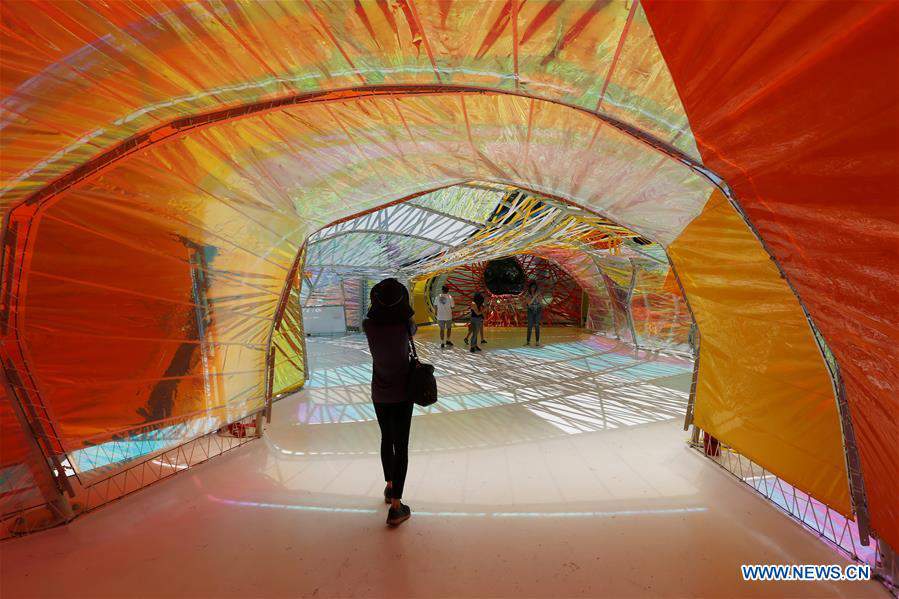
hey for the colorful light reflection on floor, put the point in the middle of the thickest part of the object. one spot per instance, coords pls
(588, 384)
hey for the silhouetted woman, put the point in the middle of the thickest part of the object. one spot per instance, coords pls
(477, 320)
(389, 327)
(533, 298)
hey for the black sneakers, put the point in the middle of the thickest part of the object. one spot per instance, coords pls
(395, 517)
(449, 343)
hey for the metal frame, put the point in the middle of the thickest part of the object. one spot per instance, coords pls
(854, 474)
(50, 481)
(835, 529)
(149, 469)
(178, 127)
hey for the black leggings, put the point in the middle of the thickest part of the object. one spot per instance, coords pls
(395, 420)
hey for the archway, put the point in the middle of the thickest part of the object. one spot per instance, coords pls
(191, 197)
(253, 217)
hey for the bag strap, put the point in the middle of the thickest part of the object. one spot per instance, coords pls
(412, 344)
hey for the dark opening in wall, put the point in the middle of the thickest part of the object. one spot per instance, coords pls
(504, 277)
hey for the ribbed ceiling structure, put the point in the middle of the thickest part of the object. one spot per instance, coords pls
(164, 162)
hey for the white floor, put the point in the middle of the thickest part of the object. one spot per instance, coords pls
(544, 472)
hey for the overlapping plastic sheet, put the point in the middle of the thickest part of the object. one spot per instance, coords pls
(288, 359)
(795, 105)
(354, 292)
(759, 365)
(18, 488)
(661, 318)
(583, 268)
(324, 287)
(139, 64)
(143, 295)
(473, 203)
(623, 305)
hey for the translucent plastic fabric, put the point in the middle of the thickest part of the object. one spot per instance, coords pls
(79, 78)
(661, 318)
(287, 363)
(18, 488)
(795, 105)
(326, 287)
(582, 266)
(370, 251)
(763, 386)
(659, 315)
(354, 291)
(144, 295)
(475, 204)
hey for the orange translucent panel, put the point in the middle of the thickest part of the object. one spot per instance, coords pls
(172, 261)
(138, 64)
(796, 106)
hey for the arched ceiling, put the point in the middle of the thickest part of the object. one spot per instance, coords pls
(463, 224)
(255, 163)
(290, 172)
(79, 79)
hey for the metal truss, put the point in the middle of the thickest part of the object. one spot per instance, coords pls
(459, 225)
(149, 469)
(831, 526)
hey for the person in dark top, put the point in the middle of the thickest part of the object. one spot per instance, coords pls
(533, 299)
(389, 327)
(477, 312)
(477, 321)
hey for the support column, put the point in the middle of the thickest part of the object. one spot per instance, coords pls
(630, 296)
(49, 482)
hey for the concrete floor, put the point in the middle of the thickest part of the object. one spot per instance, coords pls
(553, 472)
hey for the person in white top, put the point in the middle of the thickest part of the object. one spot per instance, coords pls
(445, 305)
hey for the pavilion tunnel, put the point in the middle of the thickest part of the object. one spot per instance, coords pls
(191, 286)
(148, 234)
(456, 235)
(203, 371)
(503, 282)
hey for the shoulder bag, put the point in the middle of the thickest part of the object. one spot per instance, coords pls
(421, 386)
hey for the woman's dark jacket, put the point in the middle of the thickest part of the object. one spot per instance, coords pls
(389, 346)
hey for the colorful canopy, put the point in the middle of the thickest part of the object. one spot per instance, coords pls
(163, 164)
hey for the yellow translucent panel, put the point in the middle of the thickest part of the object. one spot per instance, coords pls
(763, 385)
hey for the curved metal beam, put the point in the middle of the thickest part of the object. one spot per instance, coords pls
(379, 232)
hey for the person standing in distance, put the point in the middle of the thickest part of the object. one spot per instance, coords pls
(477, 321)
(445, 306)
(533, 299)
